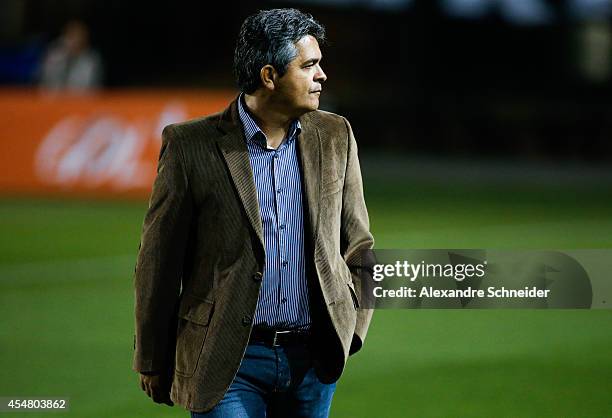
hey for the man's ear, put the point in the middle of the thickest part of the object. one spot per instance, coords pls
(268, 76)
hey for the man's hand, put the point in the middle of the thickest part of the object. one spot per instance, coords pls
(157, 387)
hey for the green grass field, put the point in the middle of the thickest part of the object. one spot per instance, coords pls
(66, 303)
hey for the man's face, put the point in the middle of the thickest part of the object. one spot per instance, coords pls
(300, 87)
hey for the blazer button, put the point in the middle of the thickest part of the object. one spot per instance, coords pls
(258, 276)
(246, 320)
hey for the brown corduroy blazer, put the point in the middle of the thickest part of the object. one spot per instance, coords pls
(201, 254)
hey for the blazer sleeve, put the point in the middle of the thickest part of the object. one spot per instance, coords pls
(356, 239)
(158, 272)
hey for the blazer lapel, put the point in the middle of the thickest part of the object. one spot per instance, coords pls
(234, 150)
(309, 152)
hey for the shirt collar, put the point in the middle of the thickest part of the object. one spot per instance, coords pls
(252, 132)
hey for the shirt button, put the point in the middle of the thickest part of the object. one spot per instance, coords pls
(257, 276)
(246, 320)
(282, 227)
(285, 263)
(283, 300)
(279, 191)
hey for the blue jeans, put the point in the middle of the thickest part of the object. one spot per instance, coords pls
(274, 382)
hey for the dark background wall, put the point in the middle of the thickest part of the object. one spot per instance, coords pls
(417, 76)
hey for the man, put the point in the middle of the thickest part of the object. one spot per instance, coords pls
(248, 275)
(70, 63)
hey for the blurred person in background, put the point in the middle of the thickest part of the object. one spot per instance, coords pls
(70, 63)
(247, 281)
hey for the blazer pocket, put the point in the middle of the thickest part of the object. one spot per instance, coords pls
(194, 317)
(351, 287)
(348, 279)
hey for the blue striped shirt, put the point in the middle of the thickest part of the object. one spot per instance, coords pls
(283, 297)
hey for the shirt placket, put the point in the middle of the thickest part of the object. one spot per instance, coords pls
(279, 173)
(271, 277)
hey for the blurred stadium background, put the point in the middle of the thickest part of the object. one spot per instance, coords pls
(481, 124)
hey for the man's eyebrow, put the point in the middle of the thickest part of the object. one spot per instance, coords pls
(312, 61)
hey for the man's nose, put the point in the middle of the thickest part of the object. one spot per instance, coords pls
(320, 76)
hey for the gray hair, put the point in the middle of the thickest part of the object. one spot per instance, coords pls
(269, 37)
